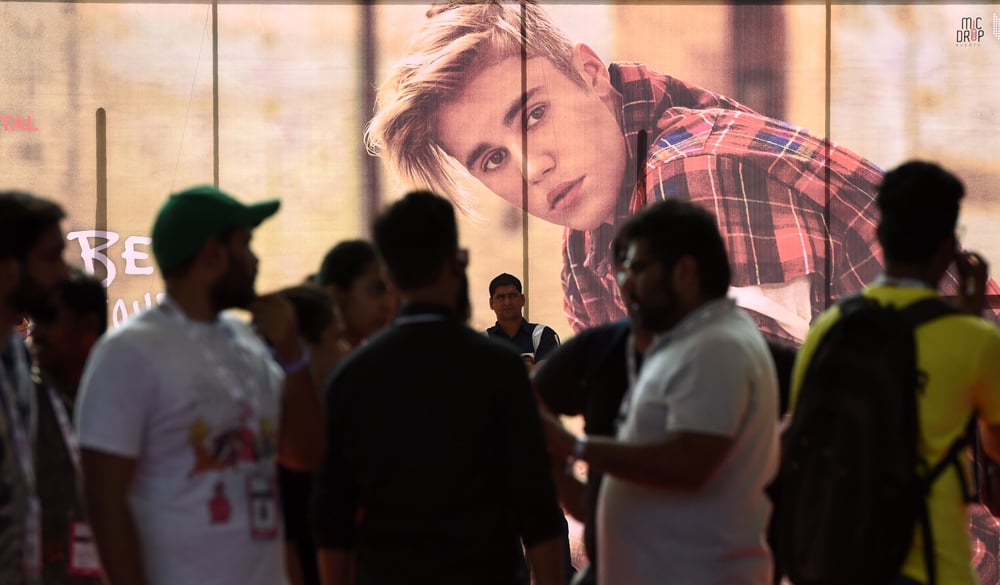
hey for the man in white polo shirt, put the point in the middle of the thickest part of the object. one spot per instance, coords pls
(683, 495)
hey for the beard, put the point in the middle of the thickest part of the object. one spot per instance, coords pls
(235, 290)
(663, 315)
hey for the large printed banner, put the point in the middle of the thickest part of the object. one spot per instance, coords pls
(780, 119)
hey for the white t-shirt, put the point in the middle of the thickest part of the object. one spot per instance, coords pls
(713, 375)
(197, 405)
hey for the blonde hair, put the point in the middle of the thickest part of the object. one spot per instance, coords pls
(458, 39)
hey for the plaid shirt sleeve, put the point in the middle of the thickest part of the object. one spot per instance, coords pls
(788, 204)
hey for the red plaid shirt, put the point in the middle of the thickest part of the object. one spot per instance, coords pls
(789, 205)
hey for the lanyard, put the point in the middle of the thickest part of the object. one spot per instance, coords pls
(62, 417)
(692, 321)
(630, 362)
(246, 402)
(21, 429)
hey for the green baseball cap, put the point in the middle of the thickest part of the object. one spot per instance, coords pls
(189, 218)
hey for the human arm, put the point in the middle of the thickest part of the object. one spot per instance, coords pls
(526, 473)
(301, 440)
(548, 567)
(569, 489)
(684, 413)
(972, 272)
(106, 482)
(334, 502)
(986, 394)
(571, 492)
(112, 410)
(778, 188)
(684, 460)
(590, 363)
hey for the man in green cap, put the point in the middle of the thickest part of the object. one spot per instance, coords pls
(178, 409)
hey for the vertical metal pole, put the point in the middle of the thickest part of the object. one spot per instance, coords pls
(215, 93)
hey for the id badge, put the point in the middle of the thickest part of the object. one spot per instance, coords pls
(33, 538)
(262, 495)
(83, 559)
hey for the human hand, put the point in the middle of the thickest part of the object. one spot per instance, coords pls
(972, 275)
(560, 441)
(274, 318)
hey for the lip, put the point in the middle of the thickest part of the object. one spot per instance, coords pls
(558, 198)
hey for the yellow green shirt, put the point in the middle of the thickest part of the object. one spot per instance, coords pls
(960, 355)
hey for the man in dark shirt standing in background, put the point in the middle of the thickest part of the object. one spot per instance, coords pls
(431, 474)
(533, 340)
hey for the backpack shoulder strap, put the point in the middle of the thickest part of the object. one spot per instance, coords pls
(926, 310)
(852, 303)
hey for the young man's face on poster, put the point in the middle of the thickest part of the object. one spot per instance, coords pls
(575, 157)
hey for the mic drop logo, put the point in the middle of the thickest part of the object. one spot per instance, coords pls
(970, 32)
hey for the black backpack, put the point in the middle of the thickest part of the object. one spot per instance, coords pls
(852, 487)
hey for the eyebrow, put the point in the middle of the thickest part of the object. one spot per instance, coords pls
(513, 110)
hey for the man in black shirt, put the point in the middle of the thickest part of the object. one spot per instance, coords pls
(62, 338)
(431, 474)
(534, 340)
(588, 376)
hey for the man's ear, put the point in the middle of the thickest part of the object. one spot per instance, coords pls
(685, 276)
(592, 69)
(212, 259)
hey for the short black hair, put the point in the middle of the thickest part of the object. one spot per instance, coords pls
(416, 236)
(345, 262)
(505, 279)
(83, 294)
(24, 217)
(919, 202)
(677, 228)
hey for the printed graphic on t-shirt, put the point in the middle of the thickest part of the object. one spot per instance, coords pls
(230, 447)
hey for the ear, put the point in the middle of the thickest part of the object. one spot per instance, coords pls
(685, 276)
(491, 302)
(213, 256)
(592, 70)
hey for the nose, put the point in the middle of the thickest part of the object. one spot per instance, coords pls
(537, 164)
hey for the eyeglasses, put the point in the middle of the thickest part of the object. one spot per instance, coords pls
(462, 257)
